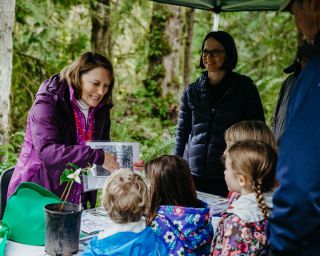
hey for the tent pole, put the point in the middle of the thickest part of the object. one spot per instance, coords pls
(216, 17)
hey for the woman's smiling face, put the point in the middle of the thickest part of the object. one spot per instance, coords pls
(213, 63)
(95, 85)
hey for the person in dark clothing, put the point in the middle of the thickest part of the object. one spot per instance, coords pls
(294, 223)
(209, 106)
(304, 53)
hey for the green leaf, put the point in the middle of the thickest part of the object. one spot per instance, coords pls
(73, 166)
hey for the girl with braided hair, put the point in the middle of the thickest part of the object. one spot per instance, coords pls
(248, 130)
(249, 170)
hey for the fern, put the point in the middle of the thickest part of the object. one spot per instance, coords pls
(159, 146)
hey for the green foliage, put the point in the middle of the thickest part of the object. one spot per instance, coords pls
(159, 46)
(158, 146)
(64, 176)
(9, 152)
(49, 34)
(74, 169)
(266, 43)
(141, 118)
(44, 42)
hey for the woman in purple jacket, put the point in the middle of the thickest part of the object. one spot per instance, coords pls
(69, 109)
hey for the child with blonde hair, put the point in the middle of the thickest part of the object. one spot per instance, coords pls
(176, 216)
(250, 171)
(248, 130)
(125, 196)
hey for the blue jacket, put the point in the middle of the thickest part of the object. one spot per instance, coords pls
(144, 243)
(294, 224)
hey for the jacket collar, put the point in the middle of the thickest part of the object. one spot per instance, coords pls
(114, 228)
(202, 85)
(247, 208)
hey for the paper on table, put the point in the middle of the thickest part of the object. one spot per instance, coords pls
(94, 220)
(217, 204)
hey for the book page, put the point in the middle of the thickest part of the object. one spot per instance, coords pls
(94, 220)
(127, 153)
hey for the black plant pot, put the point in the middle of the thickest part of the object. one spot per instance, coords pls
(62, 229)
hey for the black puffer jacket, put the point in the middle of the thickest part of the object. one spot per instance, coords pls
(204, 117)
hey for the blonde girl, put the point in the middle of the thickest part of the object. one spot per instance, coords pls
(250, 171)
(248, 130)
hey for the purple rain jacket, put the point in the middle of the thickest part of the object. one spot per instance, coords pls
(50, 141)
(184, 230)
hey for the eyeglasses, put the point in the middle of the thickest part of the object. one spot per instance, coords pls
(212, 53)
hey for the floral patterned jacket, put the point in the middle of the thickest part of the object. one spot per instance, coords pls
(184, 230)
(242, 228)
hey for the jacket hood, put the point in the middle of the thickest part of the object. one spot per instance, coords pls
(60, 90)
(53, 86)
(190, 227)
(127, 243)
(247, 208)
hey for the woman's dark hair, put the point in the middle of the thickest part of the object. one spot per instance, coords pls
(171, 183)
(226, 40)
(86, 62)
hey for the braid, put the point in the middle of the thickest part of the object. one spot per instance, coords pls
(260, 198)
(256, 161)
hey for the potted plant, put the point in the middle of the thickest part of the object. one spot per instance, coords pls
(63, 219)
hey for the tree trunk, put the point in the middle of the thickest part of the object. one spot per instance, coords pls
(171, 81)
(187, 46)
(7, 13)
(164, 45)
(100, 35)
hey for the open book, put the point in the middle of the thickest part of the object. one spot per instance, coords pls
(127, 153)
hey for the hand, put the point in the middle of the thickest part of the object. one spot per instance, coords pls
(138, 165)
(110, 162)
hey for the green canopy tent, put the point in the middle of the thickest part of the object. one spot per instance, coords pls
(228, 5)
(218, 6)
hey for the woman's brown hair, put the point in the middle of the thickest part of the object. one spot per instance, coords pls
(86, 62)
(171, 183)
(256, 161)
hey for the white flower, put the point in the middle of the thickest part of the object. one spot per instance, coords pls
(154, 225)
(75, 176)
(169, 237)
(178, 224)
(196, 218)
(181, 252)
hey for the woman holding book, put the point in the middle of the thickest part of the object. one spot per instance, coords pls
(70, 108)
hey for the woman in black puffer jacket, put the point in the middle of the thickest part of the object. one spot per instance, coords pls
(209, 106)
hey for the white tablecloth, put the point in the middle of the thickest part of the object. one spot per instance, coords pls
(17, 249)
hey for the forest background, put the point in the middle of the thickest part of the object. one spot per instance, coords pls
(155, 50)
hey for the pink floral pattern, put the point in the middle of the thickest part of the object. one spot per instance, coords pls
(178, 211)
(236, 237)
